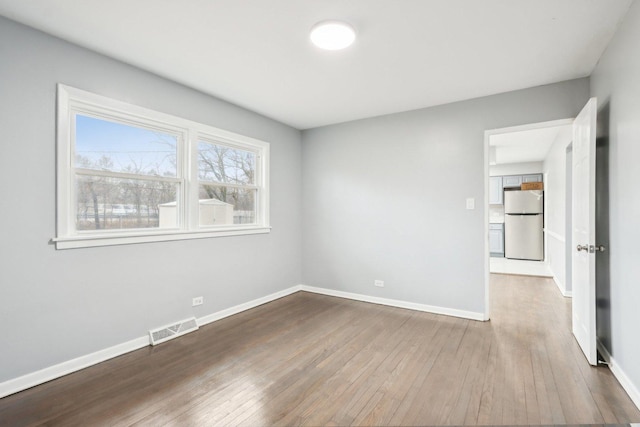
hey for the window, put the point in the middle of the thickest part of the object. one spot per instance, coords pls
(127, 174)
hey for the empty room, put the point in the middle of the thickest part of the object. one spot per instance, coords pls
(304, 212)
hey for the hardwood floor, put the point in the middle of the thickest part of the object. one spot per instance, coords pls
(309, 359)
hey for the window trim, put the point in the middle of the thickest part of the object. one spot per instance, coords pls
(72, 101)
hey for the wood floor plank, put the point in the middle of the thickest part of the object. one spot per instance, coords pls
(546, 391)
(471, 393)
(407, 411)
(310, 359)
(431, 403)
(395, 388)
(371, 361)
(423, 333)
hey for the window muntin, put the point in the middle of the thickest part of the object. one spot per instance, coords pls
(127, 174)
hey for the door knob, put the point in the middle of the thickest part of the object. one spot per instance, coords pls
(591, 248)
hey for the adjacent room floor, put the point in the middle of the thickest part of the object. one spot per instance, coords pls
(310, 359)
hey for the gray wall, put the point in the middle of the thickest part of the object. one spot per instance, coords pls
(384, 198)
(616, 83)
(58, 305)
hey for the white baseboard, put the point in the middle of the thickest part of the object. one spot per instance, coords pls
(56, 371)
(396, 303)
(563, 291)
(620, 375)
(247, 305)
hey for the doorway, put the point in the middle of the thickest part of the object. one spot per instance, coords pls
(514, 154)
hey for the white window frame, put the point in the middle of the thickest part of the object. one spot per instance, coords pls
(73, 101)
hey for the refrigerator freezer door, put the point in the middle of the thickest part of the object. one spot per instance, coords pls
(519, 202)
(523, 238)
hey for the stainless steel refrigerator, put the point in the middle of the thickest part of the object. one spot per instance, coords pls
(523, 224)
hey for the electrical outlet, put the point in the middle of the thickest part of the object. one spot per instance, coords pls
(378, 283)
(197, 301)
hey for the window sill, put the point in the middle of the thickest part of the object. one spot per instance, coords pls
(128, 239)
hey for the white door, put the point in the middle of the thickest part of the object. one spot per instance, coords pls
(583, 261)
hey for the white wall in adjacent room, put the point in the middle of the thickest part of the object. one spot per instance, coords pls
(555, 207)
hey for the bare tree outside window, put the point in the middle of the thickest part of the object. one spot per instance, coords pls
(137, 157)
(227, 174)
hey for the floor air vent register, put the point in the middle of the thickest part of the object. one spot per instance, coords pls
(166, 333)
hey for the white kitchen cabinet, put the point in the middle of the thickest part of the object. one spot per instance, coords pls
(495, 190)
(496, 240)
(512, 181)
(532, 178)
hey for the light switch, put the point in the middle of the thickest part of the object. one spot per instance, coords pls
(471, 203)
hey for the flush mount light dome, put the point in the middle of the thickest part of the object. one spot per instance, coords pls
(332, 35)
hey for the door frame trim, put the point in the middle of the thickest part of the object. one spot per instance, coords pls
(487, 135)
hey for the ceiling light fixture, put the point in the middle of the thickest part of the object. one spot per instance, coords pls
(332, 35)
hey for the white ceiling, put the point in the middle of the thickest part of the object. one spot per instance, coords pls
(409, 53)
(528, 146)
